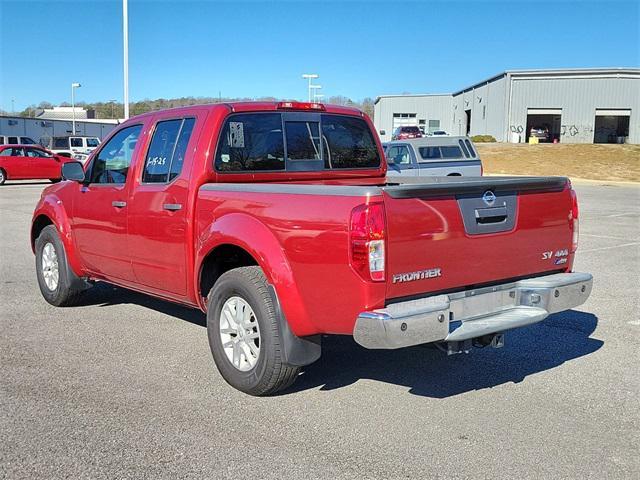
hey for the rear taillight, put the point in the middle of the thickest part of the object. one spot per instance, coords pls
(573, 220)
(367, 238)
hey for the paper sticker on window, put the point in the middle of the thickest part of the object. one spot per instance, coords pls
(225, 157)
(236, 134)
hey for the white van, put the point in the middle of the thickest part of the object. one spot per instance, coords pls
(16, 140)
(438, 156)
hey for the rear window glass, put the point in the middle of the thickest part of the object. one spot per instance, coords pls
(410, 130)
(92, 142)
(256, 142)
(348, 143)
(303, 140)
(76, 142)
(251, 142)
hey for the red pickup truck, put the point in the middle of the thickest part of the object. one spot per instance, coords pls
(277, 220)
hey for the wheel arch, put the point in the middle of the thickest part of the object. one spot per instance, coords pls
(39, 223)
(251, 241)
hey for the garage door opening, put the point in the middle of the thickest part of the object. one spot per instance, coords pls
(544, 123)
(611, 126)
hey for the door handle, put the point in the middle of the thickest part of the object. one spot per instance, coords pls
(172, 207)
(118, 204)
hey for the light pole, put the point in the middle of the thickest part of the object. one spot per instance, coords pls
(73, 106)
(309, 77)
(315, 89)
(125, 56)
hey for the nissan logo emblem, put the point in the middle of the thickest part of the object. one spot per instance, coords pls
(489, 197)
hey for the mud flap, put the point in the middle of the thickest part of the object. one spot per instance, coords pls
(296, 351)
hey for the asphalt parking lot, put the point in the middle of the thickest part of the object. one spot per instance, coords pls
(125, 386)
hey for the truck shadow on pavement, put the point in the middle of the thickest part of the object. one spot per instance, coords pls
(425, 370)
(431, 373)
(105, 295)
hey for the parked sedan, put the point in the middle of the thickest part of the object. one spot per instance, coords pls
(432, 156)
(29, 162)
(402, 133)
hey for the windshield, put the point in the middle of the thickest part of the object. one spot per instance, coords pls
(258, 141)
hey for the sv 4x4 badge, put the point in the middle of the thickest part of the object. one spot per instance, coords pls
(560, 256)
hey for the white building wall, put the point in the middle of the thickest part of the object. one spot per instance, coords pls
(426, 107)
(39, 128)
(578, 98)
(499, 105)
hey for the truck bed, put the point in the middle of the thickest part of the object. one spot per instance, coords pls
(440, 236)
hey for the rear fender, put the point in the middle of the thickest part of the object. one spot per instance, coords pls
(255, 238)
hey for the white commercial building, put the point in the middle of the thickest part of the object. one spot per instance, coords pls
(594, 105)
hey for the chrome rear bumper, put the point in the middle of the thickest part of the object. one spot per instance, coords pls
(473, 313)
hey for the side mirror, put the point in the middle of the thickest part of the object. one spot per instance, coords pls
(391, 161)
(73, 171)
(383, 132)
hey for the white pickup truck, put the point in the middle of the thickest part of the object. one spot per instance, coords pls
(433, 156)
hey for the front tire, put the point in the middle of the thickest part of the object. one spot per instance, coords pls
(58, 284)
(244, 333)
(3, 176)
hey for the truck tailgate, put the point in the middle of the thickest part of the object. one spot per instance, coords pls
(456, 233)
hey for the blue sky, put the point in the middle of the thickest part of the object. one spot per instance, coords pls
(360, 49)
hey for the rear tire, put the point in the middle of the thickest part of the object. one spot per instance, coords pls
(58, 284)
(3, 176)
(255, 338)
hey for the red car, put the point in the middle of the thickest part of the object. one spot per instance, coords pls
(403, 133)
(29, 162)
(277, 220)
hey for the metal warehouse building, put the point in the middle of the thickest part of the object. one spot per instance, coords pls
(43, 128)
(594, 105)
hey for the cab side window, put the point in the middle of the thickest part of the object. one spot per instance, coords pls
(168, 148)
(111, 165)
(399, 155)
(34, 153)
(12, 152)
(76, 142)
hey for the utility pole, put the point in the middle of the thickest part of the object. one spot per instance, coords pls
(125, 41)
